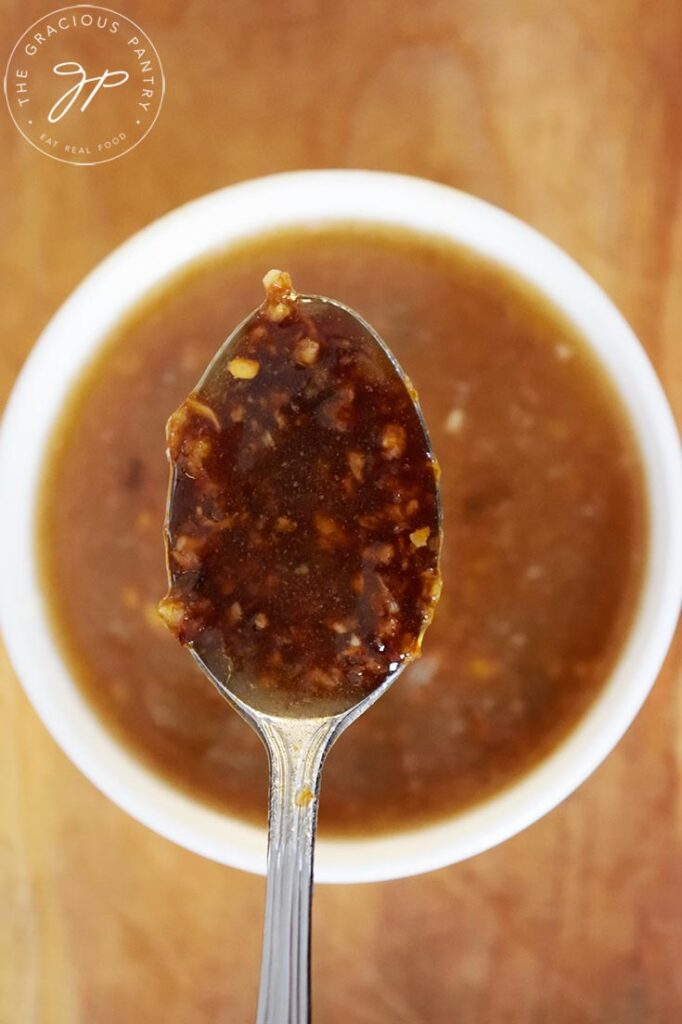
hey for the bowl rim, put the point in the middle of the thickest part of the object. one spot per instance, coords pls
(211, 223)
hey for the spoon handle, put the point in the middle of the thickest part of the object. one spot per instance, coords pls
(297, 749)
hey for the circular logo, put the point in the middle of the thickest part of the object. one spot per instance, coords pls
(84, 84)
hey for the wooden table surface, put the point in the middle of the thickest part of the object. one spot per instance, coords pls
(568, 114)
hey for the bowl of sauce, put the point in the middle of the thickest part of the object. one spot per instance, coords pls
(561, 490)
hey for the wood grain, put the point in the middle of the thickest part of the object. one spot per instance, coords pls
(569, 115)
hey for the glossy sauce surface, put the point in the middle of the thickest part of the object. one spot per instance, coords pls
(543, 514)
(303, 525)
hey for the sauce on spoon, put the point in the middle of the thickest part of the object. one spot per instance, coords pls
(303, 533)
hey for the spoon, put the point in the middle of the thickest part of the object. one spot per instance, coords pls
(303, 536)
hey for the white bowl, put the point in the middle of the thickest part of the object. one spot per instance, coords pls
(85, 319)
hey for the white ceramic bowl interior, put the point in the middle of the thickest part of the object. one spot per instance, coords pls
(212, 223)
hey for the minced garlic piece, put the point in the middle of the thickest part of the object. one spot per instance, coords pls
(243, 368)
(420, 537)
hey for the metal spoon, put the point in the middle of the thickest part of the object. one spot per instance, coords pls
(297, 743)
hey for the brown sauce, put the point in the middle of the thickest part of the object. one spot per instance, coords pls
(544, 519)
(303, 528)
